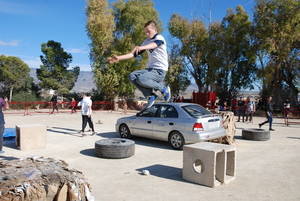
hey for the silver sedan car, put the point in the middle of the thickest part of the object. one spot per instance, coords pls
(176, 123)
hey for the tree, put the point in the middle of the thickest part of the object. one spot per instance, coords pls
(100, 27)
(277, 24)
(54, 73)
(14, 73)
(178, 78)
(192, 36)
(231, 55)
(117, 31)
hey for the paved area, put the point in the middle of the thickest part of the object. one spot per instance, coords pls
(266, 170)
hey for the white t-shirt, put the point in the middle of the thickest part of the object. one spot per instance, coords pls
(86, 106)
(158, 57)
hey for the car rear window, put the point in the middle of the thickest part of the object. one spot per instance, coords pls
(196, 110)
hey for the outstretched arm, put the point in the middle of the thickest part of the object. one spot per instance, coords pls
(136, 51)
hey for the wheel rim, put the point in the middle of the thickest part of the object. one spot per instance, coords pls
(176, 140)
(123, 131)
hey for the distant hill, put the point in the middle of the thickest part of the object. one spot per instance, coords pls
(85, 81)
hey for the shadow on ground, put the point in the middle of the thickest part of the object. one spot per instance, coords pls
(8, 158)
(295, 138)
(139, 141)
(163, 171)
(66, 131)
(89, 152)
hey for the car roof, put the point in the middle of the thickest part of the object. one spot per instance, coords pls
(174, 104)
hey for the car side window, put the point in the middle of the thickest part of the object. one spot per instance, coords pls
(150, 112)
(168, 112)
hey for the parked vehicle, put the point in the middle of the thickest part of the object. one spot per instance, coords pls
(176, 123)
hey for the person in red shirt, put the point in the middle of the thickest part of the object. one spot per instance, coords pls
(73, 105)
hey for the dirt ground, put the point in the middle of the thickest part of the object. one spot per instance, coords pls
(266, 170)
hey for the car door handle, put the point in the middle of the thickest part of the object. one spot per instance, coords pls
(149, 122)
(171, 123)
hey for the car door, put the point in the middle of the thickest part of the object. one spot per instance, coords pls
(166, 120)
(142, 126)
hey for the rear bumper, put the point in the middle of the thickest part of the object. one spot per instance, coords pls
(194, 137)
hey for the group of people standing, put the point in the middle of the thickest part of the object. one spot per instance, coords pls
(245, 108)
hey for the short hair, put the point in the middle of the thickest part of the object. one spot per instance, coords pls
(150, 22)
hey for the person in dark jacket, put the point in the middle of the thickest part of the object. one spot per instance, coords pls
(54, 103)
(241, 109)
(269, 114)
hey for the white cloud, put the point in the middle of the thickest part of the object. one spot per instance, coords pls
(11, 43)
(77, 51)
(33, 63)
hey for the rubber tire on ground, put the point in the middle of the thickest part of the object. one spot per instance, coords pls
(123, 128)
(256, 134)
(114, 148)
(176, 134)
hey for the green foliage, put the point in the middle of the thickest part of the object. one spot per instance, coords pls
(231, 57)
(277, 33)
(54, 73)
(117, 31)
(192, 36)
(177, 77)
(14, 73)
(222, 56)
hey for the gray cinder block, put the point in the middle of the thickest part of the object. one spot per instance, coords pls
(31, 136)
(209, 164)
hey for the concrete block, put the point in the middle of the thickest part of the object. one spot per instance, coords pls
(209, 164)
(31, 136)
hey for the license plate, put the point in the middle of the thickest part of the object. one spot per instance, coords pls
(214, 125)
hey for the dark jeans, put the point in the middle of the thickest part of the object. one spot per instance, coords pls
(87, 119)
(241, 113)
(148, 80)
(269, 120)
(250, 115)
(1, 136)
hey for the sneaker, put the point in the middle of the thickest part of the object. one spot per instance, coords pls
(271, 129)
(2, 152)
(167, 93)
(259, 125)
(151, 101)
(93, 133)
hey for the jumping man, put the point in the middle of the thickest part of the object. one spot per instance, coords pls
(150, 80)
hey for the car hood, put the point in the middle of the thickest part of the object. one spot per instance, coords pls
(127, 118)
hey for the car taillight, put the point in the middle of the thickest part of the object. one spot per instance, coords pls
(198, 127)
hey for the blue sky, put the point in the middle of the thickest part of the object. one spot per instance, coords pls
(26, 24)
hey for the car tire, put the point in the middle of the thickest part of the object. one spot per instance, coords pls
(255, 134)
(176, 140)
(114, 148)
(124, 131)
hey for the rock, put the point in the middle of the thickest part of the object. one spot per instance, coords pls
(41, 179)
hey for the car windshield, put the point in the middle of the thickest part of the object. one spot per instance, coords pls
(196, 110)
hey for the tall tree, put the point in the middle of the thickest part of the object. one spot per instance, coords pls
(231, 55)
(55, 73)
(192, 36)
(117, 31)
(14, 73)
(178, 77)
(277, 24)
(100, 27)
